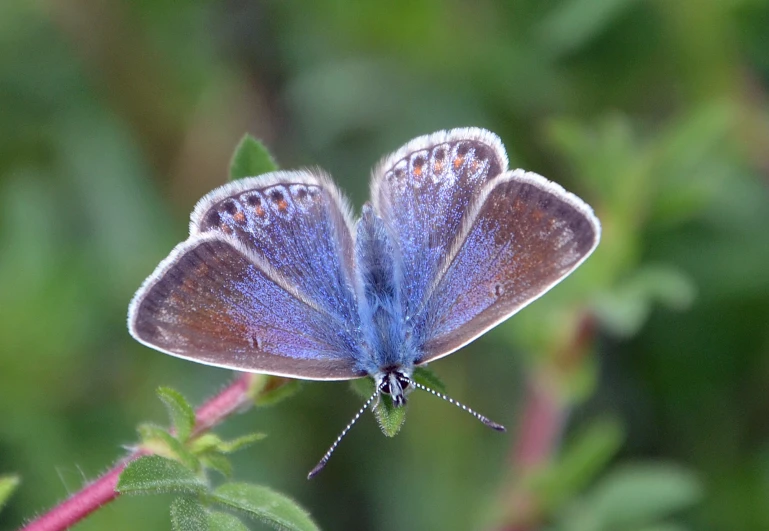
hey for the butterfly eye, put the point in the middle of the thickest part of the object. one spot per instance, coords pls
(384, 387)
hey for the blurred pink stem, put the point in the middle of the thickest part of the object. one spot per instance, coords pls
(545, 413)
(543, 418)
(233, 398)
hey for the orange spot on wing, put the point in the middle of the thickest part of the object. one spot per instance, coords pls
(438, 166)
(259, 211)
(458, 162)
(417, 171)
(282, 205)
(240, 217)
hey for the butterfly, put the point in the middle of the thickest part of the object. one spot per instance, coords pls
(278, 277)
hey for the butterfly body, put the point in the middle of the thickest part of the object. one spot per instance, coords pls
(277, 276)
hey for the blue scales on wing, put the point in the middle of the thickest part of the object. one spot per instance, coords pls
(424, 193)
(474, 242)
(265, 282)
(524, 235)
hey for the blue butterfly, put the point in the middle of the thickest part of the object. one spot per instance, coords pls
(277, 276)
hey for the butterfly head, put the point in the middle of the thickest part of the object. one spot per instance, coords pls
(396, 382)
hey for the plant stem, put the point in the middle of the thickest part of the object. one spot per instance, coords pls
(236, 397)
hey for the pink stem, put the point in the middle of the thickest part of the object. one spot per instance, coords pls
(102, 491)
(544, 416)
(540, 429)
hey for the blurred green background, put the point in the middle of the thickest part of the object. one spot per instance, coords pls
(116, 116)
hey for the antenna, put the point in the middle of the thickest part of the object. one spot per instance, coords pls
(491, 424)
(327, 455)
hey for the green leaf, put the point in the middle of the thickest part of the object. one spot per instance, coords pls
(228, 447)
(250, 158)
(582, 458)
(188, 514)
(217, 462)
(624, 310)
(219, 521)
(278, 394)
(574, 23)
(213, 443)
(666, 526)
(181, 412)
(204, 443)
(641, 494)
(428, 378)
(160, 442)
(153, 474)
(265, 505)
(389, 417)
(8, 485)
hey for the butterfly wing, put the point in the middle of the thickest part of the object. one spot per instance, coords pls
(423, 192)
(475, 243)
(265, 282)
(524, 235)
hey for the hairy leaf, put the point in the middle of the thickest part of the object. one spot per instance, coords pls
(181, 412)
(153, 474)
(160, 442)
(219, 521)
(228, 447)
(188, 514)
(389, 417)
(266, 505)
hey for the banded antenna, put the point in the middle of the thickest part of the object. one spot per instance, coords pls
(327, 455)
(490, 423)
(322, 463)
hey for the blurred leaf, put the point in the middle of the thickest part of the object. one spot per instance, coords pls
(389, 417)
(573, 23)
(8, 485)
(278, 394)
(688, 163)
(181, 412)
(626, 308)
(210, 442)
(188, 514)
(217, 462)
(582, 458)
(251, 158)
(219, 521)
(228, 447)
(636, 495)
(160, 442)
(662, 527)
(153, 474)
(204, 443)
(428, 378)
(265, 505)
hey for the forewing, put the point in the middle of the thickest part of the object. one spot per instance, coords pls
(525, 235)
(265, 283)
(211, 302)
(424, 192)
(299, 223)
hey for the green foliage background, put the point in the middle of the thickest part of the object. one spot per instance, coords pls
(116, 116)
